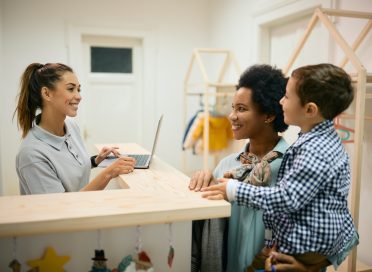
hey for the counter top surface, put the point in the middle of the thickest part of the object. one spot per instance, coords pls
(152, 196)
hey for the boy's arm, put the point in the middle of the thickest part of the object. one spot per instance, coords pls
(299, 185)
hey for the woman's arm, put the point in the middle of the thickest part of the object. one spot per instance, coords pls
(122, 165)
(39, 178)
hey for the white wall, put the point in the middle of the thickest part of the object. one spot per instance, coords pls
(232, 27)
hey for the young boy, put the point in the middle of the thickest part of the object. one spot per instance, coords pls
(306, 213)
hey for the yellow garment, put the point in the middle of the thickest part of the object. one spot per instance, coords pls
(220, 134)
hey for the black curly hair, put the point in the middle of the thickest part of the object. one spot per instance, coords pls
(268, 86)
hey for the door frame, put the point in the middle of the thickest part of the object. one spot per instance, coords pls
(275, 13)
(75, 35)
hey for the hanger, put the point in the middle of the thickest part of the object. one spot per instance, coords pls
(343, 131)
(212, 107)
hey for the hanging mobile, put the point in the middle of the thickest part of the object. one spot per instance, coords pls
(49, 262)
(14, 264)
(171, 248)
(99, 260)
(143, 261)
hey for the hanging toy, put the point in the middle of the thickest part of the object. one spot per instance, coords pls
(170, 256)
(143, 263)
(171, 248)
(99, 260)
(140, 264)
(126, 262)
(14, 264)
(99, 264)
(49, 262)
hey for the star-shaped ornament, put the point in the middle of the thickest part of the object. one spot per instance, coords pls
(50, 261)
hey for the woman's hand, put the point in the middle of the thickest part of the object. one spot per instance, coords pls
(105, 151)
(281, 262)
(123, 165)
(216, 192)
(200, 179)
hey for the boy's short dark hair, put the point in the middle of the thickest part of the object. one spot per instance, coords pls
(268, 86)
(326, 85)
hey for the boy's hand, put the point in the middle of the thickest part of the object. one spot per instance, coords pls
(216, 192)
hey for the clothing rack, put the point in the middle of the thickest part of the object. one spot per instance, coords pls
(206, 87)
(362, 83)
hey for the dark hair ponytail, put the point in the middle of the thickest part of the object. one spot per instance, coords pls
(29, 98)
(33, 79)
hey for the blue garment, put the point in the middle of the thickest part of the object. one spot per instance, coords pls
(246, 228)
(307, 210)
(188, 127)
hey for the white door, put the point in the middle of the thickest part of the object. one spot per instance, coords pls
(111, 109)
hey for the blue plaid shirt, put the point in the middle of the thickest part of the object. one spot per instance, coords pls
(307, 210)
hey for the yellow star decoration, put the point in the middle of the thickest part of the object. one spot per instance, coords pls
(50, 261)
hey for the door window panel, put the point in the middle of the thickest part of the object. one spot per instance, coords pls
(111, 60)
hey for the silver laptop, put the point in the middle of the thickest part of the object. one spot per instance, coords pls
(142, 160)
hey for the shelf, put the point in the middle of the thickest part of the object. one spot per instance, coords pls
(354, 77)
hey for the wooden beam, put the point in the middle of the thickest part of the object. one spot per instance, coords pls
(212, 50)
(201, 66)
(301, 43)
(357, 158)
(206, 132)
(358, 41)
(347, 13)
(213, 94)
(352, 116)
(236, 64)
(224, 68)
(188, 72)
(339, 40)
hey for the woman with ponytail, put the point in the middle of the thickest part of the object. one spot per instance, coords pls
(52, 157)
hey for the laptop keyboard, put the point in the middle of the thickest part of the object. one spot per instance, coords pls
(140, 159)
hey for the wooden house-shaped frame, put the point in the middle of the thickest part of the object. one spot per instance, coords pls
(208, 87)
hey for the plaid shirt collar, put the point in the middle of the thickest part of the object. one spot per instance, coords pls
(323, 127)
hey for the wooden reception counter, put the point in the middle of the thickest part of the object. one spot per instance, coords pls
(153, 196)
